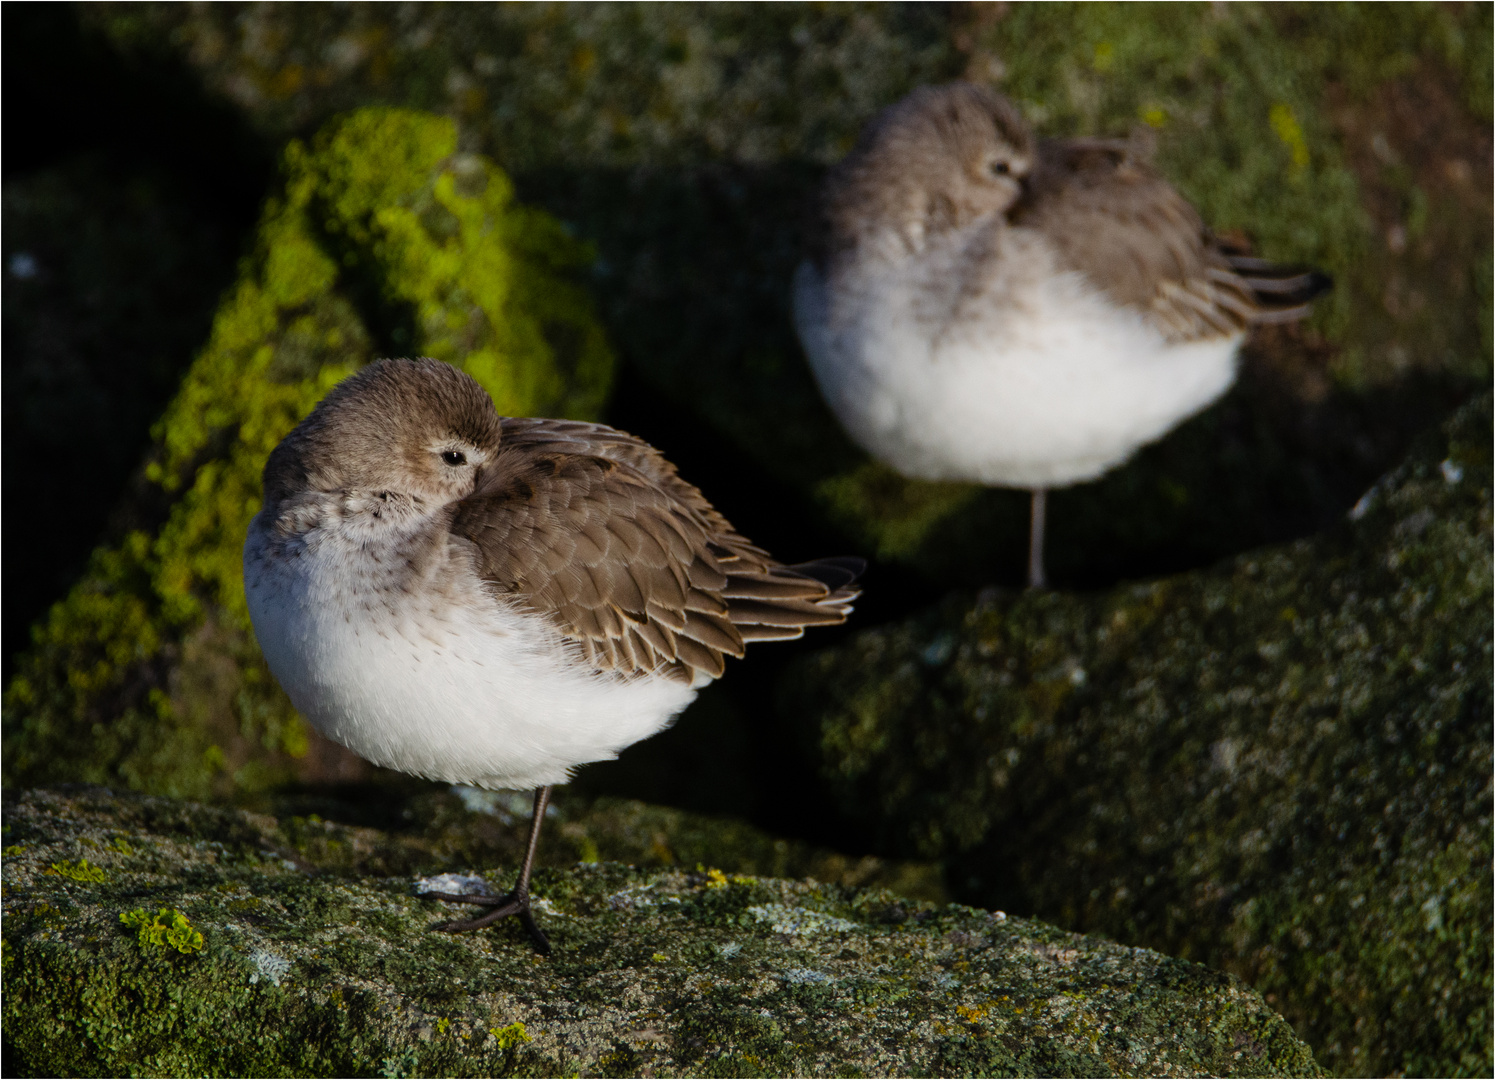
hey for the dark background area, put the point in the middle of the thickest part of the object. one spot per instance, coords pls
(128, 199)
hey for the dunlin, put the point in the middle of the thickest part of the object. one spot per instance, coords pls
(493, 601)
(982, 306)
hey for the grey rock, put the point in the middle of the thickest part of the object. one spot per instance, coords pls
(246, 958)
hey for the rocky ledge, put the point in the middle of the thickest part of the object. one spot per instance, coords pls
(1279, 766)
(146, 935)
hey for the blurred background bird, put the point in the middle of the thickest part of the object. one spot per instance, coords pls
(982, 306)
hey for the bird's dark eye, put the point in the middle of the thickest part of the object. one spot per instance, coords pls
(454, 457)
(1001, 168)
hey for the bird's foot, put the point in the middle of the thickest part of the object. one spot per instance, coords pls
(514, 903)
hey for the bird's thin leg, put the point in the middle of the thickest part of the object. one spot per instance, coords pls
(1036, 579)
(517, 901)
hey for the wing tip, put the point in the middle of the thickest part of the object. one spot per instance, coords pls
(835, 572)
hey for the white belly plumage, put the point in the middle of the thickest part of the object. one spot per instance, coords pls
(1025, 381)
(475, 692)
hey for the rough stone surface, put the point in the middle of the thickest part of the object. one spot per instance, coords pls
(238, 955)
(401, 825)
(1280, 766)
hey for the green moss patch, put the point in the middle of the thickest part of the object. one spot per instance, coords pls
(385, 239)
(82, 870)
(168, 929)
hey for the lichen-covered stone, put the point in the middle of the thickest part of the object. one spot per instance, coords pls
(305, 971)
(408, 826)
(684, 140)
(384, 241)
(1280, 766)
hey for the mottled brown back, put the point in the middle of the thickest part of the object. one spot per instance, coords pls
(947, 156)
(1108, 215)
(596, 531)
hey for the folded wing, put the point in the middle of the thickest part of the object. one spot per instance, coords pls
(594, 530)
(1108, 215)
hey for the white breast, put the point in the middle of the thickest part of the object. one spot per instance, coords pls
(473, 691)
(1001, 368)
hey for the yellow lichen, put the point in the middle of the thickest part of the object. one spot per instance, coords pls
(1285, 123)
(82, 870)
(511, 1036)
(168, 928)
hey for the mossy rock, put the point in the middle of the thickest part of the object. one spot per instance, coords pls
(685, 140)
(384, 240)
(197, 947)
(1280, 766)
(399, 825)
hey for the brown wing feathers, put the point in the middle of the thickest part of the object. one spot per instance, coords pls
(1111, 217)
(595, 530)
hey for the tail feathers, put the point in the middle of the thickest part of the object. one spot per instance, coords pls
(839, 574)
(777, 604)
(1282, 293)
(835, 572)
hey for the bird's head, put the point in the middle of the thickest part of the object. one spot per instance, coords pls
(970, 143)
(938, 159)
(418, 428)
